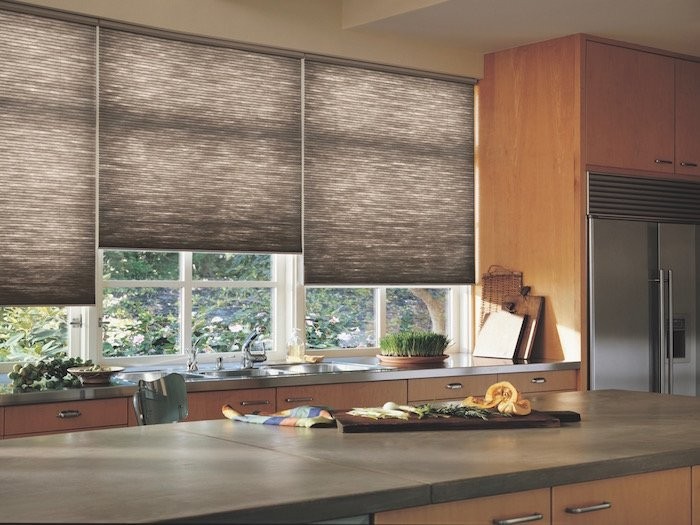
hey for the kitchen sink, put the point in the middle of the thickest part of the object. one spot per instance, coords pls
(242, 372)
(323, 368)
(153, 375)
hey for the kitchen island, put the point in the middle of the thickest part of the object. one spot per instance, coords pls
(225, 471)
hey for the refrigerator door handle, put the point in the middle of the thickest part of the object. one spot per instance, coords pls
(669, 338)
(662, 336)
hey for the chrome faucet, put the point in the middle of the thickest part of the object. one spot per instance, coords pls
(249, 357)
(192, 359)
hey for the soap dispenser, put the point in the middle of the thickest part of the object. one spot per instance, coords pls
(296, 348)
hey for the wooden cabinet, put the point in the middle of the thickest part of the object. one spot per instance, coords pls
(654, 497)
(687, 117)
(2, 422)
(342, 395)
(629, 108)
(695, 497)
(46, 418)
(548, 112)
(650, 498)
(430, 389)
(532, 506)
(207, 405)
(533, 382)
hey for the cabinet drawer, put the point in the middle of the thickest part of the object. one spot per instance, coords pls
(654, 497)
(445, 388)
(342, 395)
(65, 416)
(541, 381)
(531, 506)
(207, 405)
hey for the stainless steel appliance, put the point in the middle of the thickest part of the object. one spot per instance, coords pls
(644, 291)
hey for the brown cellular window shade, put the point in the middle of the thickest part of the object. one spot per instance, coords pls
(47, 161)
(388, 178)
(200, 146)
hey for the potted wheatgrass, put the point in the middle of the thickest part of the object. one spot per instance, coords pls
(414, 347)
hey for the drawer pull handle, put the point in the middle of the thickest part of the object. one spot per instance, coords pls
(689, 164)
(591, 508)
(66, 414)
(538, 380)
(521, 519)
(298, 399)
(255, 402)
(663, 161)
(454, 386)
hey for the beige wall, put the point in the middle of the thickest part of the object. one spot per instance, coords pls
(311, 26)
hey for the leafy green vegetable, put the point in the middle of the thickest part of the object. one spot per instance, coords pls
(413, 344)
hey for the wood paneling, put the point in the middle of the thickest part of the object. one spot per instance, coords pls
(24, 420)
(530, 206)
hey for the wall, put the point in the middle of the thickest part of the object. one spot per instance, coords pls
(311, 26)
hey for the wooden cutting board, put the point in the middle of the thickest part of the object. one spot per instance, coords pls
(357, 424)
(529, 306)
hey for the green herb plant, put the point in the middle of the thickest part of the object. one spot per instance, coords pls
(413, 344)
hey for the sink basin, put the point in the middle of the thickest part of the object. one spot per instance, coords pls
(242, 372)
(322, 368)
(152, 375)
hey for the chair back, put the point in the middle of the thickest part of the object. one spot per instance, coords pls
(163, 400)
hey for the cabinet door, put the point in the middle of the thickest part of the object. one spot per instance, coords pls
(629, 110)
(530, 506)
(531, 382)
(448, 388)
(687, 117)
(342, 395)
(207, 405)
(695, 499)
(46, 418)
(2, 422)
(655, 497)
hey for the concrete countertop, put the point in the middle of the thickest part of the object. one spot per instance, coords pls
(225, 471)
(455, 365)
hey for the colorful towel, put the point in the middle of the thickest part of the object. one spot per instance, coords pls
(303, 416)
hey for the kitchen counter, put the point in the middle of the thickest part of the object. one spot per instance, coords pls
(458, 364)
(228, 471)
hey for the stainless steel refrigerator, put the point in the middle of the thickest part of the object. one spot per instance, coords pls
(644, 291)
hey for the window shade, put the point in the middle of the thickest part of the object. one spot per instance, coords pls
(200, 146)
(388, 178)
(47, 161)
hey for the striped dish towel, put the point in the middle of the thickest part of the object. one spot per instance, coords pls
(303, 416)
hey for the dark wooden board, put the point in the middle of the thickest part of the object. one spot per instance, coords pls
(531, 307)
(357, 424)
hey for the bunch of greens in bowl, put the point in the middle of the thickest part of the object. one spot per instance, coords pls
(413, 344)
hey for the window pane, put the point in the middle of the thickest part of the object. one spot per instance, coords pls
(340, 317)
(231, 266)
(140, 265)
(140, 321)
(223, 317)
(27, 333)
(416, 309)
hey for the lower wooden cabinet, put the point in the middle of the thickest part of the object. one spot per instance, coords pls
(531, 506)
(429, 389)
(651, 498)
(640, 499)
(342, 395)
(207, 405)
(532, 382)
(48, 418)
(695, 498)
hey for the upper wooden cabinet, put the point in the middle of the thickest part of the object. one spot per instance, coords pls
(641, 110)
(629, 108)
(687, 117)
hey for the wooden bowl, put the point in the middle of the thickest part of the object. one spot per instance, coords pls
(89, 376)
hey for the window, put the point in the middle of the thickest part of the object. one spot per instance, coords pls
(29, 333)
(162, 303)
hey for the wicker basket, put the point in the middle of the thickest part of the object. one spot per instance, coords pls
(496, 284)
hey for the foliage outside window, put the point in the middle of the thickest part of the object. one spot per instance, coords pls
(150, 298)
(29, 333)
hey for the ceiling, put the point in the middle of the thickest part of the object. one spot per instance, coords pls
(490, 25)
